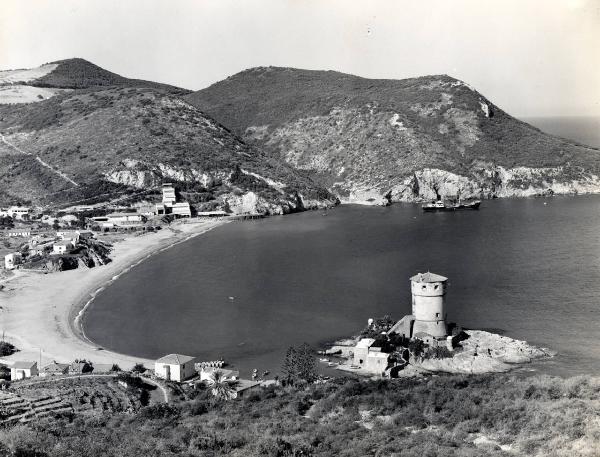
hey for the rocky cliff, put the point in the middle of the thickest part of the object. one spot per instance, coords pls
(373, 141)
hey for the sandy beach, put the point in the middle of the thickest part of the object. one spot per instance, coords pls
(39, 312)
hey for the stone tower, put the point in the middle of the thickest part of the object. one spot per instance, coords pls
(429, 304)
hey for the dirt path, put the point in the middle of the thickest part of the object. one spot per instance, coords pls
(44, 164)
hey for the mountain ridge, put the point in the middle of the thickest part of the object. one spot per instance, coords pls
(383, 139)
(104, 136)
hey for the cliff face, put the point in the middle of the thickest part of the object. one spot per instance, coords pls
(371, 141)
(108, 137)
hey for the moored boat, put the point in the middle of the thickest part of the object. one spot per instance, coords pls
(440, 205)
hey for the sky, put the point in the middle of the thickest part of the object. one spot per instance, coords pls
(530, 57)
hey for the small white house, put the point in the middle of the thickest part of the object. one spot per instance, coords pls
(19, 212)
(62, 247)
(68, 235)
(19, 233)
(23, 370)
(182, 209)
(175, 367)
(12, 260)
(361, 350)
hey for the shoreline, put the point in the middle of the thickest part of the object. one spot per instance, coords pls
(41, 313)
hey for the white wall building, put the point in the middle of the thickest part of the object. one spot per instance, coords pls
(175, 367)
(23, 370)
(12, 260)
(62, 247)
(181, 209)
(18, 212)
(168, 194)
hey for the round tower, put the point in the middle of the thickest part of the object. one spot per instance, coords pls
(429, 304)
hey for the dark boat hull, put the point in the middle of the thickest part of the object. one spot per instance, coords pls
(460, 207)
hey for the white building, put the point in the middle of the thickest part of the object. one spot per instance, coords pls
(120, 220)
(12, 260)
(62, 247)
(18, 212)
(22, 370)
(68, 235)
(168, 194)
(181, 209)
(19, 233)
(361, 350)
(175, 367)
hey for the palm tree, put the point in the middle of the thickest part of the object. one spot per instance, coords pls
(220, 387)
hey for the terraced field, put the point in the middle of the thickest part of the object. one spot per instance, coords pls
(28, 401)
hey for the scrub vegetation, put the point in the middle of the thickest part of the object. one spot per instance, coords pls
(114, 136)
(349, 130)
(438, 416)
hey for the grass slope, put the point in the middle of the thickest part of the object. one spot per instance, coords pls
(80, 74)
(344, 127)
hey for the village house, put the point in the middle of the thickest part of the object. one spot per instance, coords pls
(120, 220)
(85, 234)
(68, 235)
(62, 247)
(40, 248)
(12, 260)
(55, 369)
(81, 367)
(245, 386)
(181, 209)
(175, 367)
(23, 370)
(16, 212)
(361, 350)
(19, 233)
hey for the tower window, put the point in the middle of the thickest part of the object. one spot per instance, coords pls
(437, 314)
(436, 286)
(424, 287)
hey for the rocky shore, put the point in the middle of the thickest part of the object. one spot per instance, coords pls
(480, 353)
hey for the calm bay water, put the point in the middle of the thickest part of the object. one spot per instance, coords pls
(528, 268)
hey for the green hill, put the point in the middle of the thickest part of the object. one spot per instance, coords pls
(80, 74)
(409, 139)
(111, 137)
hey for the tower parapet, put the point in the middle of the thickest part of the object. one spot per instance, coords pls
(429, 304)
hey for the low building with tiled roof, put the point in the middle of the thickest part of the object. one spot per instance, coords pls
(55, 368)
(23, 370)
(175, 367)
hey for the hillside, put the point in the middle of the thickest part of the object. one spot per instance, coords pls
(108, 136)
(372, 140)
(445, 416)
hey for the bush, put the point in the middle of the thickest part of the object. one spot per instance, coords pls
(138, 368)
(6, 349)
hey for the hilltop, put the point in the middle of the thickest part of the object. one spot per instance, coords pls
(372, 140)
(74, 73)
(99, 136)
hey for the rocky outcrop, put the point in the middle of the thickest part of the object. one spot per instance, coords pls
(482, 182)
(485, 352)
